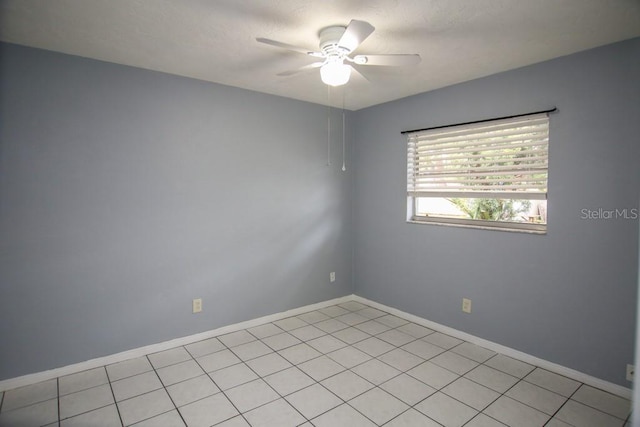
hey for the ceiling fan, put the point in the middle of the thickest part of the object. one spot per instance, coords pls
(336, 44)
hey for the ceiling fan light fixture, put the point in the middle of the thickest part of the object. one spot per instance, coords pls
(335, 73)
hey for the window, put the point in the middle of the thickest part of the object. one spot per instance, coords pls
(490, 174)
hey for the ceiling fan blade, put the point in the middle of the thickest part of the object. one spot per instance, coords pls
(288, 47)
(356, 33)
(301, 69)
(387, 60)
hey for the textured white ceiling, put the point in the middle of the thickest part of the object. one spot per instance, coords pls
(214, 40)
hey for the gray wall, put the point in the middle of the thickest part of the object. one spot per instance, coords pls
(568, 296)
(126, 193)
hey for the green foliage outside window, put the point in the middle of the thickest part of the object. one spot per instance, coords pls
(492, 209)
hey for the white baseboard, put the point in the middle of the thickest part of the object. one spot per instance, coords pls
(610, 387)
(37, 377)
(616, 389)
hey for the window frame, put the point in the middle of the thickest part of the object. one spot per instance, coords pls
(513, 226)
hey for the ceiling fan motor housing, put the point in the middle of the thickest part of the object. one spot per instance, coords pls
(329, 38)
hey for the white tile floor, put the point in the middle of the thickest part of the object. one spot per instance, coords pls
(345, 365)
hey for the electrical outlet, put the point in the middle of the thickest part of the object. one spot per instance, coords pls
(197, 305)
(466, 305)
(332, 276)
(631, 370)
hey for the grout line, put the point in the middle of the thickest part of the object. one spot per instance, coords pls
(381, 389)
(274, 390)
(482, 413)
(85, 412)
(154, 370)
(573, 393)
(175, 407)
(115, 402)
(80, 391)
(563, 404)
(219, 388)
(234, 405)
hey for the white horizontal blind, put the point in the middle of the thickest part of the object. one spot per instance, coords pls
(504, 159)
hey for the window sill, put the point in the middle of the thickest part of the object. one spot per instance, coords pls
(482, 225)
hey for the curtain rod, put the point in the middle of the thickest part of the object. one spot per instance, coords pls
(552, 110)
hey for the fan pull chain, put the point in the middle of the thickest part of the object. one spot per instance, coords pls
(328, 125)
(344, 168)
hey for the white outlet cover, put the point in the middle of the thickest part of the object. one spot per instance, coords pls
(197, 305)
(466, 305)
(332, 276)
